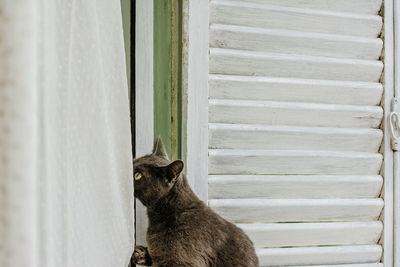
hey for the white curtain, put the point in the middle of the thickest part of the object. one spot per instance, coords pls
(66, 192)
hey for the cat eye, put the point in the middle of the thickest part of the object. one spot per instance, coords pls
(138, 176)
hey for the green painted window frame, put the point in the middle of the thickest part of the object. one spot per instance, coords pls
(168, 74)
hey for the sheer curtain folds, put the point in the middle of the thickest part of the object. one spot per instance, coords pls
(66, 192)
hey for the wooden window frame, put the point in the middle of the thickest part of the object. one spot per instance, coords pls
(143, 99)
(388, 79)
(195, 105)
(195, 94)
(394, 10)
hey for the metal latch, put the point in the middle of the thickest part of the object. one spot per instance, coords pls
(394, 124)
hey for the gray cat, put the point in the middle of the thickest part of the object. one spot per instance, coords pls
(183, 231)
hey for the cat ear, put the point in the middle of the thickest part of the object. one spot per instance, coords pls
(174, 169)
(159, 149)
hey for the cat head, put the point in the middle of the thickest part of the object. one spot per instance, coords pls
(155, 175)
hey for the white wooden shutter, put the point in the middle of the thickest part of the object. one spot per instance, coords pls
(294, 127)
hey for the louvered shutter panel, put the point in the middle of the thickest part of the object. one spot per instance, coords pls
(294, 127)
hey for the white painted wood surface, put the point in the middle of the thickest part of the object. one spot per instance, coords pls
(195, 94)
(295, 90)
(376, 264)
(348, 265)
(278, 17)
(277, 137)
(294, 186)
(319, 255)
(313, 234)
(297, 210)
(396, 154)
(143, 99)
(291, 113)
(292, 162)
(353, 6)
(294, 42)
(396, 208)
(387, 168)
(238, 62)
(294, 118)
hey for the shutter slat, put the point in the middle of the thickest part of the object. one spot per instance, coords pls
(295, 90)
(353, 6)
(293, 42)
(299, 114)
(278, 17)
(294, 186)
(292, 162)
(239, 62)
(297, 210)
(319, 255)
(348, 265)
(313, 234)
(242, 136)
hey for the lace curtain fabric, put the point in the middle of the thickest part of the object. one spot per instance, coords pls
(66, 192)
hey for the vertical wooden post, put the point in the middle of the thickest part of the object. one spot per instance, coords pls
(167, 74)
(127, 21)
(387, 169)
(396, 157)
(195, 93)
(144, 126)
